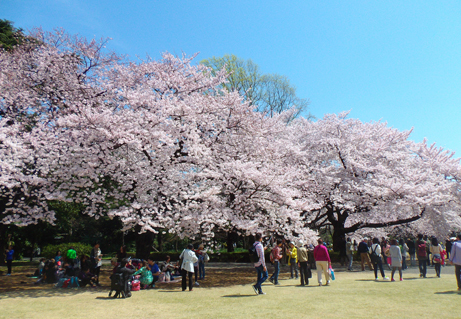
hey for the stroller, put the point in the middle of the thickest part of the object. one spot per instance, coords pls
(117, 284)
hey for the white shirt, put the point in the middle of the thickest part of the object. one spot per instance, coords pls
(188, 259)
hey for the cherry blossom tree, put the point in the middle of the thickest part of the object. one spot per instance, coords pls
(367, 175)
(154, 143)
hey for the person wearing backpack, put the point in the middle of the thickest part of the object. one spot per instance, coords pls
(127, 274)
(275, 258)
(422, 256)
(260, 265)
(376, 258)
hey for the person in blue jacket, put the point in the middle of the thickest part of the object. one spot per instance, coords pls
(9, 259)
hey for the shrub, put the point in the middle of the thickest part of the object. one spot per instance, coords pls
(50, 250)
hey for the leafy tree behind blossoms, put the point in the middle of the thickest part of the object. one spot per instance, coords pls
(359, 175)
(155, 143)
(270, 94)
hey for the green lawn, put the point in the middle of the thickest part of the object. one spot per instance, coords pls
(351, 295)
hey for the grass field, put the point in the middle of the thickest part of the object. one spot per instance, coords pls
(351, 295)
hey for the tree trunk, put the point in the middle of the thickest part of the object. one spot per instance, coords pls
(232, 237)
(338, 237)
(144, 243)
(160, 241)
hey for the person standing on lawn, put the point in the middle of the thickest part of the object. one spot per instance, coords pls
(422, 255)
(187, 268)
(455, 258)
(260, 265)
(396, 259)
(96, 262)
(322, 262)
(9, 259)
(349, 253)
(71, 255)
(302, 263)
(436, 251)
(363, 251)
(293, 260)
(378, 263)
(276, 257)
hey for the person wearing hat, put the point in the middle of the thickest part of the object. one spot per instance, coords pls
(302, 263)
(293, 260)
(455, 259)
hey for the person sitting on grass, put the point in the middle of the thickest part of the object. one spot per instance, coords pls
(50, 272)
(85, 275)
(146, 275)
(154, 270)
(167, 268)
(41, 267)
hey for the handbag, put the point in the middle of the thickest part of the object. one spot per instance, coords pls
(332, 273)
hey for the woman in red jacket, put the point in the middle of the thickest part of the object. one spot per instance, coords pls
(322, 261)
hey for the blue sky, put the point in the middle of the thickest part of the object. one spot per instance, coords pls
(395, 61)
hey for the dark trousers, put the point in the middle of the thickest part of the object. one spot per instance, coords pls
(293, 267)
(422, 266)
(96, 272)
(437, 269)
(379, 265)
(8, 264)
(304, 270)
(404, 263)
(458, 274)
(184, 274)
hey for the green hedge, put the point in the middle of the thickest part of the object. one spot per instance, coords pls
(241, 256)
(50, 250)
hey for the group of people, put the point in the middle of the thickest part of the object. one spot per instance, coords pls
(374, 252)
(85, 269)
(192, 262)
(298, 258)
(427, 250)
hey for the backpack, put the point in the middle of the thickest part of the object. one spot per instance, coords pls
(65, 284)
(117, 282)
(135, 285)
(374, 256)
(254, 258)
(60, 282)
(422, 249)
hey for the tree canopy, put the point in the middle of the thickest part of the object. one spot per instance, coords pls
(166, 145)
(268, 93)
